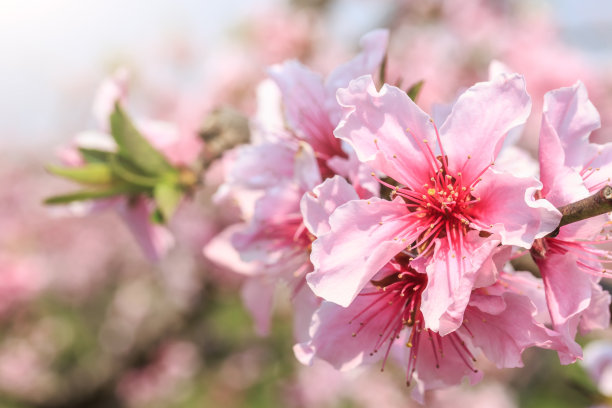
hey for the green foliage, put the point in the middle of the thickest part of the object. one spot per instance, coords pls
(85, 195)
(167, 197)
(414, 91)
(133, 146)
(93, 173)
(136, 168)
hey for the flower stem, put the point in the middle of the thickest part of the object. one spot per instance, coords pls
(597, 204)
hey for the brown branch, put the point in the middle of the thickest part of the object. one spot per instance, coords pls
(597, 204)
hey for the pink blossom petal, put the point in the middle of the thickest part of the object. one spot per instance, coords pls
(268, 123)
(272, 210)
(573, 117)
(331, 334)
(304, 99)
(581, 230)
(305, 304)
(318, 205)
(451, 370)
(258, 297)
(568, 294)
(155, 240)
(364, 236)
(597, 315)
(262, 166)
(493, 266)
(526, 284)
(516, 161)
(114, 89)
(358, 173)
(561, 184)
(473, 133)
(374, 46)
(306, 169)
(507, 204)
(504, 333)
(221, 252)
(602, 166)
(387, 130)
(451, 280)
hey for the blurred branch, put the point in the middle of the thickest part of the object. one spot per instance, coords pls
(222, 130)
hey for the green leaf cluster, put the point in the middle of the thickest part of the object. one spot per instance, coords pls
(135, 169)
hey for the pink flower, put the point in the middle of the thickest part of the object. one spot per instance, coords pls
(311, 109)
(451, 208)
(273, 245)
(571, 169)
(386, 316)
(283, 164)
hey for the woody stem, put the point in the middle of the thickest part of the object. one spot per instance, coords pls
(597, 204)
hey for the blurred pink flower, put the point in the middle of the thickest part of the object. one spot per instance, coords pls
(174, 364)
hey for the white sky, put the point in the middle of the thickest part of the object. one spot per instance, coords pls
(53, 50)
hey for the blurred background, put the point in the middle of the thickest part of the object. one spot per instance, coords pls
(86, 320)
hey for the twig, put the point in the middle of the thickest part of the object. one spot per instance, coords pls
(597, 204)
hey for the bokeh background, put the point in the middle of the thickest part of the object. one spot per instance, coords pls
(86, 320)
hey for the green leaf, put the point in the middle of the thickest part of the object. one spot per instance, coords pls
(86, 195)
(156, 217)
(414, 91)
(95, 156)
(167, 197)
(127, 171)
(135, 147)
(94, 173)
(382, 73)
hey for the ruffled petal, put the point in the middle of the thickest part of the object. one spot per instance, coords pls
(507, 205)
(364, 236)
(387, 130)
(473, 133)
(332, 339)
(451, 278)
(374, 47)
(504, 333)
(304, 99)
(568, 294)
(318, 205)
(573, 117)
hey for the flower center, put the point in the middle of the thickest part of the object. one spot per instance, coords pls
(397, 298)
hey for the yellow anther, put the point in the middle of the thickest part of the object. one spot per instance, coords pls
(431, 191)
